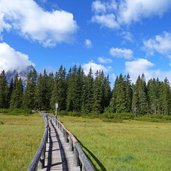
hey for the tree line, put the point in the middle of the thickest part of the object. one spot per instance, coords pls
(76, 92)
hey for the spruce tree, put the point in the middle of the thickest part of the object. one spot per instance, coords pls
(165, 97)
(11, 87)
(17, 94)
(29, 94)
(139, 101)
(98, 93)
(78, 85)
(87, 94)
(42, 92)
(121, 95)
(4, 91)
(153, 90)
(59, 89)
(112, 106)
(71, 77)
(128, 93)
(106, 92)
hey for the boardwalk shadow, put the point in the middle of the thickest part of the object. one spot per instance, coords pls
(49, 164)
(99, 163)
(62, 152)
(63, 157)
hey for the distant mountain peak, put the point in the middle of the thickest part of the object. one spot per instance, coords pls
(22, 74)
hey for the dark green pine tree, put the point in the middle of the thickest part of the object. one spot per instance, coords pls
(98, 92)
(29, 94)
(59, 90)
(139, 101)
(87, 94)
(17, 94)
(42, 92)
(51, 82)
(4, 91)
(153, 90)
(165, 97)
(11, 87)
(106, 92)
(112, 105)
(128, 93)
(121, 95)
(78, 86)
(71, 77)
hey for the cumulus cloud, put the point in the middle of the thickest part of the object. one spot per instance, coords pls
(126, 12)
(133, 11)
(143, 66)
(103, 7)
(95, 67)
(104, 60)
(160, 43)
(106, 20)
(10, 59)
(31, 21)
(121, 53)
(88, 43)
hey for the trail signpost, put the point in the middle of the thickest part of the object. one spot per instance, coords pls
(56, 109)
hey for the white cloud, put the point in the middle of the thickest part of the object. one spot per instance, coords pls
(104, 60)
(143, 66)
(125, 12)
(88, 43)
(98, 7)
(106, 20)
(95, 67)
(160, 43)
(103, 14)
(31, 21)
(103, 7)
(10, 59)
(134, 10)
(121, 53)
(127, 36)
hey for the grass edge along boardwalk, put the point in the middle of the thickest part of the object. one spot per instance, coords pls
(127, 146)
(20, 137)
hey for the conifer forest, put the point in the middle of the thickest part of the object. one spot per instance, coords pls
(76, 92)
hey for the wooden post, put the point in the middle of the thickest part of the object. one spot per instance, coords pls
(56, 111)
(65, 135)
(83, 168)
(76, 157)
(70, 144)
(42, 160)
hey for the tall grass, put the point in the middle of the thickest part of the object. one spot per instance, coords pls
(20, 136)
(126, 146)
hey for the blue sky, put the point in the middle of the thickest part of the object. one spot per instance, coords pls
(117, 36)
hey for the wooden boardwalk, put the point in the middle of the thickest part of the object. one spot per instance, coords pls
(58, 157)
(59, 150)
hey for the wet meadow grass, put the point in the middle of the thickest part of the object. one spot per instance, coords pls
(123, 146)
(20, 137)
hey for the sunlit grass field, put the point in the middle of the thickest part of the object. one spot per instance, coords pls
(20, 137)
(126, 146)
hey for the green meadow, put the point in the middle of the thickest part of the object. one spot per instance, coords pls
(20, 137)
(125, 146)
(111, 146)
